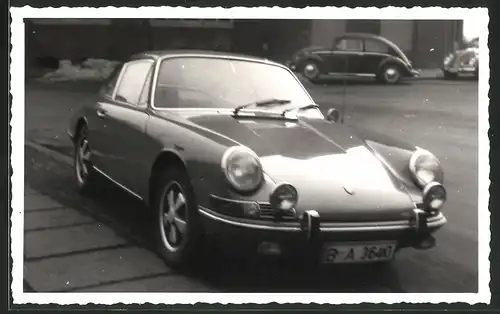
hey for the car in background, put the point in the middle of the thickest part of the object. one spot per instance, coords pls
(354, 54)
(463, 61)
(247, 156)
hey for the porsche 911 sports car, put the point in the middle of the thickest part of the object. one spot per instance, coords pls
(234, 146)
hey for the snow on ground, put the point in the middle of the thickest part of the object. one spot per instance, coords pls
(91, 69)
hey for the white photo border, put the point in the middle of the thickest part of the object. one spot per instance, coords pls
(17, 72)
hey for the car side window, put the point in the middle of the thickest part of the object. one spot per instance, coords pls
(109, 86)
(132, 81)
(376, 46)
(146, 89)
(350, 44)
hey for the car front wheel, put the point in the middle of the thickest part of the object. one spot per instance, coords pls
(311, 71)
(390, 74)
(176, 221)
(85, 174)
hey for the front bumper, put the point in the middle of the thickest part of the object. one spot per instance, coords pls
(465, 69)
(292, 237)
(414, 73)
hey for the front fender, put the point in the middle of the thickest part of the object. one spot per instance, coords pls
(310, 57)
(201, 151)
(396, 61)
(395, 154)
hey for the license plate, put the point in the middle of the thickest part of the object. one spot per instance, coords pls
(342, 253)
(468, 69)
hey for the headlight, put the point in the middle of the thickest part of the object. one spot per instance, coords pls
(434, 196)
(242, 168)
(284, 197)
(425, 168)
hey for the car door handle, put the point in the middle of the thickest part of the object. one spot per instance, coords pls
(101, 113)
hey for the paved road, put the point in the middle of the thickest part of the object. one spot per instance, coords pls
(437, 115)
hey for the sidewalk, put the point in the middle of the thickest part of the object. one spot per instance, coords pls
(66, 250)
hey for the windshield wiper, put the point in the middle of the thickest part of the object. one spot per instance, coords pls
(263, 103)
(310, 106)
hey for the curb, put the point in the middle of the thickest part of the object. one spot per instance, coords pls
(56, 155)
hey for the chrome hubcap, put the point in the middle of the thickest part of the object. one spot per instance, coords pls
(82, 160)
(391, 75)
(311, 70)
(173, 216)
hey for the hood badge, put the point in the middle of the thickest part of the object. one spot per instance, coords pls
(349, 190)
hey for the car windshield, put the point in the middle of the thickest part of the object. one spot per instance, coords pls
(204, 82)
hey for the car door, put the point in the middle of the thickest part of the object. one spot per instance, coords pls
(374, 53)
(351, 50)
(125, 118)
(96, 125)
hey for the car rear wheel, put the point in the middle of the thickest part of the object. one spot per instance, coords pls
(311, 71)
(85, 174)
(176, 222)
(390, 74)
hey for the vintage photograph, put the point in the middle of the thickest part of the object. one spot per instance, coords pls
(252, 155)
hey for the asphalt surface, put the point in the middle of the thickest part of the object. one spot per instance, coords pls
(108, 237)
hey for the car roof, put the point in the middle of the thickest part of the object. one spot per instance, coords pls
(159, 54)
(364, 35)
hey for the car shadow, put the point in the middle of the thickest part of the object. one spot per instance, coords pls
(234, 271)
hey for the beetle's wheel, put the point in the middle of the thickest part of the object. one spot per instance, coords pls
(391, 75)
(311, 70)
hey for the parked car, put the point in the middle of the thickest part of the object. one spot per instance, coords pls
(233, 146)
(463, 61)
(355, 54)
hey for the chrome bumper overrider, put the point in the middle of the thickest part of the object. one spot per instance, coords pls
(431, 223)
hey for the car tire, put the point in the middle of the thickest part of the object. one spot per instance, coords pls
(311, 71)
(449, 75)
(177, 225)
(390, 74)
(85, 174)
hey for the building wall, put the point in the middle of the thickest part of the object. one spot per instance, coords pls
(433, 40)
(426, 42)
(119, 38)
(323, 32)
(398, 31)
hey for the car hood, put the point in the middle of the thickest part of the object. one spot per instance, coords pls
(333, 169)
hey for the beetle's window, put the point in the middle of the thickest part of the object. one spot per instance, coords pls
(204, 82)
(349, 44)
(376, 46)
(130, 86)
(109, 86)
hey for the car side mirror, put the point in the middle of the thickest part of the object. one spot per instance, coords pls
(333, 115)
